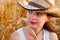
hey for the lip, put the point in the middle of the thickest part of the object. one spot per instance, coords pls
(33, 22)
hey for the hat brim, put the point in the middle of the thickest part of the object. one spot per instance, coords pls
(32, 7)
(53, 10)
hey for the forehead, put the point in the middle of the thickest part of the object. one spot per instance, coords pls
(35, 11)
(38, 12)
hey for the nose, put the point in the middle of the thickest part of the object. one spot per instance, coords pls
(33, 16)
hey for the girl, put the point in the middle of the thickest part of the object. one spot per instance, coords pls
(39, 27)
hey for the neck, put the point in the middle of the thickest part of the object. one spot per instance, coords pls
(35, 31)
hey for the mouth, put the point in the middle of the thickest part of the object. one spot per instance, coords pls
(33, 22)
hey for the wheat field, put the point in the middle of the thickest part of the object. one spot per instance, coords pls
(11, 15)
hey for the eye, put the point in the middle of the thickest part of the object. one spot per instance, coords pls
(38, 14)
(30, 12)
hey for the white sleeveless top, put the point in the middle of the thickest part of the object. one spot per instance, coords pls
(22, 36)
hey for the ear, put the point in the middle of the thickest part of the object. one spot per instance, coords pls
(47, 19)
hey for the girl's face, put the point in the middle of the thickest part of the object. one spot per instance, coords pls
(36, 19)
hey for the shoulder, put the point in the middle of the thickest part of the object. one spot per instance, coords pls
(53, 36)
(15, 35)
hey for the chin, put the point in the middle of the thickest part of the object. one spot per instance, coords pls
(34, 26)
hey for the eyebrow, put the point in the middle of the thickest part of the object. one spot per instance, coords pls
(39, 12)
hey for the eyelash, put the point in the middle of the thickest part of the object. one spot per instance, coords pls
(38, 14)
(30, 12)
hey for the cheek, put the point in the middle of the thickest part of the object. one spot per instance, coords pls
(41, 21)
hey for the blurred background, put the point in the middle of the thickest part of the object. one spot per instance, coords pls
(11, 18)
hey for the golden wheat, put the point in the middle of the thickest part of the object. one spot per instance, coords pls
(10, 18)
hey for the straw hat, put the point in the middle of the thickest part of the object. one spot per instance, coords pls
(49, 6)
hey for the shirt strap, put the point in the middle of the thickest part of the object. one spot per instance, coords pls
(46, 35)
(21, 34)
